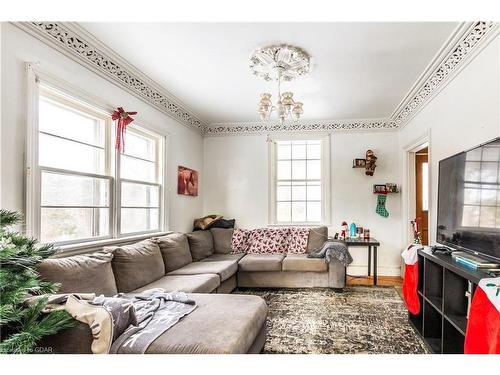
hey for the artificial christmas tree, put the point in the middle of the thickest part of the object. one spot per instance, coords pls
(22, 325)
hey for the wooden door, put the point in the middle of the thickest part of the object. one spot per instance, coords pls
(422, 193)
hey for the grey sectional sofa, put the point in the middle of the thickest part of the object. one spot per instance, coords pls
(200, 264)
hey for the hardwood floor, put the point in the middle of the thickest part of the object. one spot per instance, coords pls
(368, 280)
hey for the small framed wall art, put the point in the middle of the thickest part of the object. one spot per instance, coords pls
(187, 181)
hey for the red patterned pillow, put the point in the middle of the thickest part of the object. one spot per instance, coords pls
(268, 241)
(239, 241)
(297, 243)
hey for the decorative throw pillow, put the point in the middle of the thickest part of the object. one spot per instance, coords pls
(297, 240)
(268, 241)
(239, 241)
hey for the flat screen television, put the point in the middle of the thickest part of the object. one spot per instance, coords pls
(469, 201)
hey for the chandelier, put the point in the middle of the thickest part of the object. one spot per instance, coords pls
(280, 63)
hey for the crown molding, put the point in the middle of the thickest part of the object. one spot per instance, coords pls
(467, 40)
(76, 43)
(464, 44)
(302, 126)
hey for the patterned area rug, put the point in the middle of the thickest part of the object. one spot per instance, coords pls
(320, 321)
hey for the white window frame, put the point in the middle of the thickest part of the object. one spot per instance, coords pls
(325, 177)
(112, 163)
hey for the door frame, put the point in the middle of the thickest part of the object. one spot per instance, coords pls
(409, 178)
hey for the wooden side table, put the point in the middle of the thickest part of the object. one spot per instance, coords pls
(372, 242)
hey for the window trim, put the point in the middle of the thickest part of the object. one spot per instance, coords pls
(78, 97)
(325, 177)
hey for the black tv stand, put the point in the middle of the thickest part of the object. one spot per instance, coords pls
(445, 289)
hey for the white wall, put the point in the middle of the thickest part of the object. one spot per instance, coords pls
(236, 185)
(17, 47)
(463, 115)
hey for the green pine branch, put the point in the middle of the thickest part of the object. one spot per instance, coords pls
(22, 326)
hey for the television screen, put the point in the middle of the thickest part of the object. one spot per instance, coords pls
(469, 200)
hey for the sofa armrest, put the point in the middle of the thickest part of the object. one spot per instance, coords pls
(336, 274)
(75, 340)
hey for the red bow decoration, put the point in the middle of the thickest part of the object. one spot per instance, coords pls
(123, 120)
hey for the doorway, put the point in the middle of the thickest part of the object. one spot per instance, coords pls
(422, 193)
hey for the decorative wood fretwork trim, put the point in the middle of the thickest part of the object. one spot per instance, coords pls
(75, 43)
(301, 126)
(464, 48)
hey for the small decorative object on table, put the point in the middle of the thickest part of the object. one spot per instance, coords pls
(366, 234)
(359, 232)
(352, 230)
(343, 231)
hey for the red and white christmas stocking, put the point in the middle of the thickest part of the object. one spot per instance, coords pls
(410, 280)
(483, 328)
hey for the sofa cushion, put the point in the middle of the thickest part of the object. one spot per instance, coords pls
(300, 262)
(81, 273)
(268, 241)
(297, 240)
(261, 262)
(219, 257)
(239, 241)
(317, 237)
(206, 283)
(201, 244)
(136, 265)
(220, 324)
(225, 269)
(222, 240)
(174, 249)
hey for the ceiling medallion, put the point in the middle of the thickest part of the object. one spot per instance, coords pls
(280, 63)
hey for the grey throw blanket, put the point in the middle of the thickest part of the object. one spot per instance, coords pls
(155, 311)
(333, 249)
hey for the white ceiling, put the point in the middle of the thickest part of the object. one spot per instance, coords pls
(359, 71)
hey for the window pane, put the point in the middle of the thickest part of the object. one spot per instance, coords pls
(472, 196)
(491, 153)
(284, 150)
(489, 172)
(472, 170)
(425, 186)
(488, 197)
(298, 212)
(314, 150)
(314, 169)
(69, 190)
(66, 224)
(299, 191)
(71, 124)
(139, 219)
(299, 151)
(283, 211)
(283, 191)
(487, 217)
(470, 216)
(284, 170)
(137, 195)
(474, 155)
(313, 211)
(298, 170)
(314, 191)
(137, 169)
(60, 153)
(140, 146)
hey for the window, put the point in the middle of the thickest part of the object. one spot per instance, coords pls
(300, 175)
(84, 190)
(481, 208)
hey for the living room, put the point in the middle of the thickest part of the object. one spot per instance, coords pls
(231, 185)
